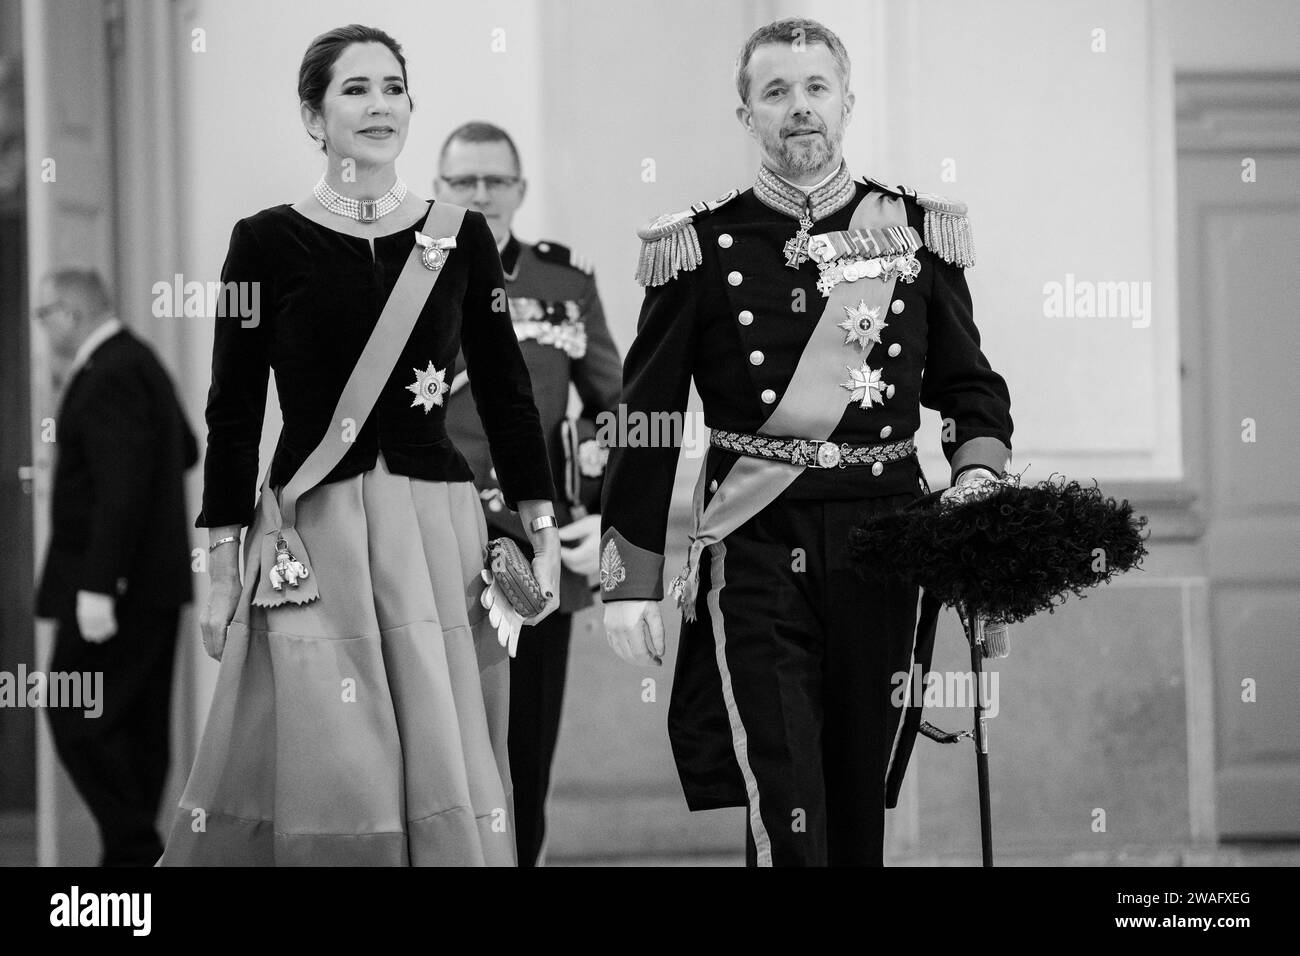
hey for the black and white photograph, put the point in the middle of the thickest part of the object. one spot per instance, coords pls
(626, 435)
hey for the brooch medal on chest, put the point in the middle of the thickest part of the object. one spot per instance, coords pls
(434, 251)
(429, 387)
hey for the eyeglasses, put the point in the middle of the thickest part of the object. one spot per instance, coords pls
(43, 312)
(496, 185)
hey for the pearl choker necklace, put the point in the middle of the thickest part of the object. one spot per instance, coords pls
(362, 210)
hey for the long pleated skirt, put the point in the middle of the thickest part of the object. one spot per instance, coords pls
(367, 728)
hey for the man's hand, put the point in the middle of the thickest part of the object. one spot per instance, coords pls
(95, 617)
(973, 484)
(583, 557)
(635, 631)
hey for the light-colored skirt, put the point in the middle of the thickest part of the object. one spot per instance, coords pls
(367, 728)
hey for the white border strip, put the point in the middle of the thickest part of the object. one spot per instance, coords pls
(717, 582)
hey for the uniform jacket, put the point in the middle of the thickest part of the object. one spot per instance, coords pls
(737, 324)
(321, 293)
(118, 523)
(560, 325)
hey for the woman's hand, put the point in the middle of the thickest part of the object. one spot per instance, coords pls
(223, 597)
(224, 590)
(546, 568)
(546, 554)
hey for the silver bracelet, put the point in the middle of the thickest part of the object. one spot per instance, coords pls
(220, 541)
(542, 521)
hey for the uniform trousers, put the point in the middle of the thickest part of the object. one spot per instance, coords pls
(782, 697)
(118, 760)
(537, 676)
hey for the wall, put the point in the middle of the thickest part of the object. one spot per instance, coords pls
(1066, 157)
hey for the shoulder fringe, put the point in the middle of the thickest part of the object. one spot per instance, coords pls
(669, 245)
(947, 230)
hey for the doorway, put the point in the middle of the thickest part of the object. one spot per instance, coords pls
(1239, 242)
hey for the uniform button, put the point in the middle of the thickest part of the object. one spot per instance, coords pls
(894, 350)
(543, 247)
(724, 240)
(745, 317)
(877, 468)
(896, 306)
(756, 357)
(121, 585)
(886, 431)
(713, 485)
(889, 392)
(768, 396)
(735, 278)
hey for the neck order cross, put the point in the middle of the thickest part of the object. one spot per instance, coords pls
(776, 193)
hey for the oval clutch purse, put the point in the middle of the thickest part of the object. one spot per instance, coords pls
(514, 575)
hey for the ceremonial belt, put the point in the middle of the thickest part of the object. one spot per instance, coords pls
(813, 404)
(810, 452)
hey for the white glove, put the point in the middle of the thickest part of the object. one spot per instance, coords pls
(972, 485)
(501, 614)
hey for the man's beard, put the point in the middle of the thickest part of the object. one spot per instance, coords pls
(803, 156)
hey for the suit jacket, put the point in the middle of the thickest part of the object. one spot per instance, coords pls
(560, 325)
(118, 519)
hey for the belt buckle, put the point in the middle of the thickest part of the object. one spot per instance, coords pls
(828, 455)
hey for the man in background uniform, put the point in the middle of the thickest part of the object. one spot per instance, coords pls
(562, 333)
(807, 309)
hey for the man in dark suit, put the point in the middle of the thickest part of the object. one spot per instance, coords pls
(118, 569)
(558, 319)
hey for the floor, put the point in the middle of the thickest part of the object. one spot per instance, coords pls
(18, 848)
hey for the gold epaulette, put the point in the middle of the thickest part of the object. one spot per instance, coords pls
(670, 244)
(947, 230)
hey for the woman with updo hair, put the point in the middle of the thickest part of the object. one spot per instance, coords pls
(360, 711)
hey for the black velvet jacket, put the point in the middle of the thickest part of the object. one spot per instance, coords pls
(320, 295)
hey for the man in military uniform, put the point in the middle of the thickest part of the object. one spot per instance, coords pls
(807, 308)
(551, 294)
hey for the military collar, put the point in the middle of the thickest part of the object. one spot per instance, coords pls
(510, 256)
(830, 197)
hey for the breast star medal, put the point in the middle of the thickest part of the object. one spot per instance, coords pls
(796, 247)
(863, 326)
(865, 387)
(434, 251)
(429, 387)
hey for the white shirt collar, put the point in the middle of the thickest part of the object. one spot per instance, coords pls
(94, 340)
(816, 186)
